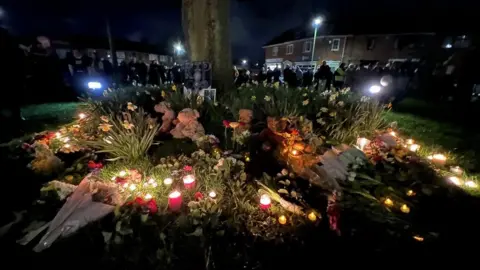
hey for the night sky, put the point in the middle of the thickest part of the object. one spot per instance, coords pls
(253, 22)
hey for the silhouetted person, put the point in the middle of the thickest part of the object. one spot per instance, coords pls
(269, 75)
(154, 73)
(163, 74)
(307, 78)
(80, 68)
(299, 76)
(325, 75)
(339, 76)
(276, 74)
(124, 72)
(142, 71)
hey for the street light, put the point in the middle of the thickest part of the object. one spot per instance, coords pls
(178, 48)
(316, 23)
(244, 61)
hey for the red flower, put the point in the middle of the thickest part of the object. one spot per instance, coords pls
(198, 195)
(139, 201)
(152, 206)
(92, 165)
(120, 180)
(242, 124)
(226, 123)
(50, 135)
(187, 168)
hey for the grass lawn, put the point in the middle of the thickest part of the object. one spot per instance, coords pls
(435, 129)
(46, 116)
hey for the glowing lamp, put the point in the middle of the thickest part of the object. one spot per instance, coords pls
(189, 181)
(455, 180)
(317, 21)
(388, 202)
(132, 187)
(414, 147)
(168, 181)
(471, 184)
(175, 200)
(148, 196)
(312, 217)
(438, 158)
(375, 89)
(282, 220)
(82, 116)
(456, 170)
(122, 173)
(294, 152)
(212, 194)
(362, 142)
(265, 201)
(410, 193)
(405, 209)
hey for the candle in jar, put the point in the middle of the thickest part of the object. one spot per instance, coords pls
(175, 200)
(414, 147)
(456, 170)
(282, 220)
(362, 142)
(212, 194)
(168, 181)
(265, 201)
(189, 181)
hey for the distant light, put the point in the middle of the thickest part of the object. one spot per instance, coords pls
(317, 21)
(82, 116)
(256, 64)
(108, 55)
(244, 61)
(448, 46)
(178, 48)
(374, 89)
(94, 85)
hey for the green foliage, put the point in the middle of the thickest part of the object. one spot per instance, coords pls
(179, 101)
(129, 137)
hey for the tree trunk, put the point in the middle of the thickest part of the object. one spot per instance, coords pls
(206, 28)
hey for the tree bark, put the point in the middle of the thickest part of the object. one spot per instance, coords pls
(206, 29)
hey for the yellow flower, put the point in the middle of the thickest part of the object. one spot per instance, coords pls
(127, 125)
(276, 85)
(332, 114)
(253, 98)
(174, 87)
(267, 98)
(131, 106)
(164, 94)
(305, 102)
(104, 118)
(104, 127)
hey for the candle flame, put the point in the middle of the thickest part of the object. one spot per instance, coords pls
(405, 209)
(174, 194)
(294, 152)
(168, 181)
(82, 115)
(148, 196)
(188, 179)
(212, 194)
(282, 219)
(388, 202)
(414, 147)
(265, 199)
(455, 180)
(410, 141)
(418, 238)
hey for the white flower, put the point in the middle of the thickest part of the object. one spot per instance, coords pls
(340, 103)
(305, 94)
(305, 102)
(267, 98)
(364, 99)
(321, 121)
(323, 109)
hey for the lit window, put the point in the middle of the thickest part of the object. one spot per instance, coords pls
(336, 44)
(307, 46)
(290, 49)
(275, 51)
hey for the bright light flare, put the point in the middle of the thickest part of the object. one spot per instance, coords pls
(471, 184)
(94, 85)
(455, 180)
(82, 116)
(317, 21)
(375, 89)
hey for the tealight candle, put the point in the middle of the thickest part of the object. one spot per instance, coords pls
(168, 181)
(282, 220)
(265, 201)
(212, 194)
(175, 200)
(312, 216)
(189, 181)
(410, 141)
(405, 209)
(410, 193)
(455, 180)
(148, 196)
(362, 142)
(388, 202)
(413, 147)
(456, 170)
(471, 184)
(438, 158)
(82, 115)
(67, 145)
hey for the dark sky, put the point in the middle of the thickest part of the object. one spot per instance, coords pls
(253, 22)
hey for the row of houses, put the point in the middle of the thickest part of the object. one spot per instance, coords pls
(296, 47)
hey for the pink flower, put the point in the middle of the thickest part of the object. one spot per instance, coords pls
(92, 165)
(226, 123)
(187, 168)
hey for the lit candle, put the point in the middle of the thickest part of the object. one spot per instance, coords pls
(168, 181)
(132, 187)
(410, 141)
(148, 196)
(294, 152)
(471, 184)
(455, 180)
(265, 201)
(414, 147)
(418, 238)
(362, 142)
(58, 135)
(456, 170)
(388, 202)
(122, 173)
(405, 209)
(82, 115)
(393, 133)
(438, 158)
(189, 181)
(312, 217)
(67, 145)
(175, 200)
(410, 193)
(212, 194)
(282, 220)
(66, 139)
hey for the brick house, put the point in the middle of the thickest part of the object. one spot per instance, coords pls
(296, 48)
